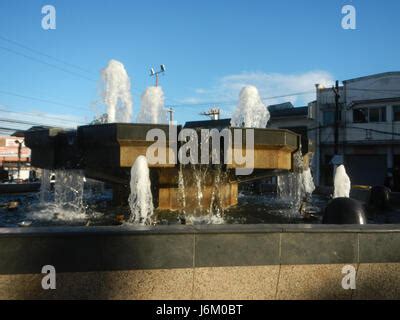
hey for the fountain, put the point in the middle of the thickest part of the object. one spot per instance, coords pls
(198, 179)
(342, 184)
(342, 209)
(140, 198)
(152, 108)
(116, 92)
(250, 112)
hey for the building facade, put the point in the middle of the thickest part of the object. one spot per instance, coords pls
(15, 157)
(369, 129)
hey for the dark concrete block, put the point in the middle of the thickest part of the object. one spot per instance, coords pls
(217, 250)
(82, 253)
(379, 247)
(319, 248)
(69, 253)
(148, 252)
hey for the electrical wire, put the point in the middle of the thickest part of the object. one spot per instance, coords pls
(46, 63)
(42, 116)
(45, 54)
(43, 100)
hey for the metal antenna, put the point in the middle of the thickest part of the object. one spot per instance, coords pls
(213, 113)
(156, 73)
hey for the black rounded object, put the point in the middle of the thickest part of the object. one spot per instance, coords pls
(379, 197)
(344, 211)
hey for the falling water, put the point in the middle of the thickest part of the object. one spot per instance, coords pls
(342, 183)
(290, 189)
(194, 181)
(308, 182)
(140, 199)
(250, 112)
(216, 205)
(291, 186)
(181, 190)
(44, 194)
(116, 92)
(68, 190)
(152, 106)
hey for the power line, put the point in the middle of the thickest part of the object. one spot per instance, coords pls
(53, 58)
(46, 63)
(8, 129)
(235, 101)
(40, 116)
(42, 100)
(21, 122)
(44, 54)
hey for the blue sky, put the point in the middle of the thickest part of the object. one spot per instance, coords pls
(210, 48)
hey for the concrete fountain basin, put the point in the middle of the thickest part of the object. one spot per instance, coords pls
(201, 262)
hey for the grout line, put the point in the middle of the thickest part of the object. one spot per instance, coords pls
(357, 267)
(193, 264)
(280, 266)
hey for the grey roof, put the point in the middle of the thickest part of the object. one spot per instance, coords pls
(280, 106)
(377, 75)
(222, 123)
(292, 112)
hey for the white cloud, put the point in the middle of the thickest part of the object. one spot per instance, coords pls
(269, 85)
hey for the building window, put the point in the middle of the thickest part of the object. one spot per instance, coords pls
(377, 114)
(360, 115)
(396, 113)
(364, 115)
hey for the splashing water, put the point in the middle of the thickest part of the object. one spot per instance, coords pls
(44, 195)
(250, 112)
(152, 107)
(308, 181)
(193, 183)
(68, 190)
(181, 190)
(116, 92)
(140, 199)
(342, 183)
(290, 189)
(291, 186)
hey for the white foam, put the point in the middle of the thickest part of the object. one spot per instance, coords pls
(308, 181)
(342, 183)
(152, 106)
(116, 92)
(250, 112)
(140, 199)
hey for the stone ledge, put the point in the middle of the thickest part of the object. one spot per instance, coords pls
(86, 249)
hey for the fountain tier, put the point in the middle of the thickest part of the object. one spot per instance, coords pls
(106, 152)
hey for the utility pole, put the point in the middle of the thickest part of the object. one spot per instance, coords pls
(336, 130)
(19, 157)
(171, 115)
